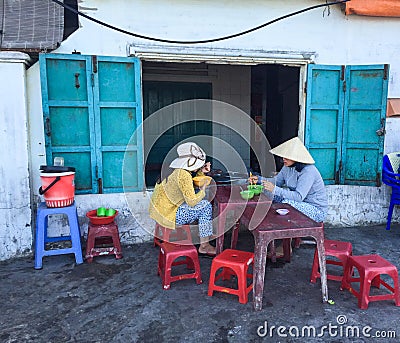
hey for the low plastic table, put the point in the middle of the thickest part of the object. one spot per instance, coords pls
(274, 226)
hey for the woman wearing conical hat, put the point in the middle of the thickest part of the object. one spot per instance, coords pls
(299, 182)
(174, 201)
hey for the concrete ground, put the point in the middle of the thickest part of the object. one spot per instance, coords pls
(122, 300)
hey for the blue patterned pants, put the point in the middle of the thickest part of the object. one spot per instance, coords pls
(201, 212)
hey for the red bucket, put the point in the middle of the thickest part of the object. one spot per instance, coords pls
(58, 189)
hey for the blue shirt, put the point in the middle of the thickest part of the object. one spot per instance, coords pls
(306, 185)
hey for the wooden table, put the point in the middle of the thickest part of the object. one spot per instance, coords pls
(274, 226)
(228, 198)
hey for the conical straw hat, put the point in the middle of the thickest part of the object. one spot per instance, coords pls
(294, 150)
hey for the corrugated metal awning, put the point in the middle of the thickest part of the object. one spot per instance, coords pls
(374, 8)
(30, 24)
(393, 107)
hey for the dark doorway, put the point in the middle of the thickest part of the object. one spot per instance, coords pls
(158, 94)
(275, 104)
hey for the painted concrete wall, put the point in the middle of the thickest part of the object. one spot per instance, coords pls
(333, 37)
(326, 38)
(15, 193)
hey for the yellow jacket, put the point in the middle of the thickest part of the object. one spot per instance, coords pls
(169, 195)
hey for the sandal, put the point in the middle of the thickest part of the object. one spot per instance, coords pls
(207, 252)
(277, 255)
(278, 252)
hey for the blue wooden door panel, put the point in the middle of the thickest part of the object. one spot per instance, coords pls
(364, 114)
(67, 100)
(345, 108)
(118, 116)
(324, 111)
(92, 108)
(69, 77)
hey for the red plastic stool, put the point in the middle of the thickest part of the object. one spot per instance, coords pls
(232, 262)
(338, 249)
(169, 252)
(179, 235)
(106, 234)
(370, 267)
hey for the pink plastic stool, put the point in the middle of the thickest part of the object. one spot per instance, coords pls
(232, 262)
(179, 235)
(106, 234)
(370, 267)
(169, 252)
(338, 249)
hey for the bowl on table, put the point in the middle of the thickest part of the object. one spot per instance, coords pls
(246, 195)
(257, 189)
(282, 211)
(200, 181)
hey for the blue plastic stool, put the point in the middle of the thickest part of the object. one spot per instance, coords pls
(41, 234)
(391, 177)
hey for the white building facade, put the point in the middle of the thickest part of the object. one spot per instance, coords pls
(276, 56)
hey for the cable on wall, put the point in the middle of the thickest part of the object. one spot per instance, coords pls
(69, 8)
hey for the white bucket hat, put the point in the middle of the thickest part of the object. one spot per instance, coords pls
(294, 150)
(191, 157)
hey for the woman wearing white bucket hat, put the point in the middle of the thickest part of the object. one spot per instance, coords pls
(174, 200)
(299, 183)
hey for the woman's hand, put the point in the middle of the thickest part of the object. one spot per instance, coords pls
(206, 168)
(252, 180)
(268, 186)
(203, 188)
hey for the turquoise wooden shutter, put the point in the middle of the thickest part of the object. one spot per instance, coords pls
(346, 109)
(92, 107)
(324, 113)
(67, 101)
(364, 114)
(118, 113)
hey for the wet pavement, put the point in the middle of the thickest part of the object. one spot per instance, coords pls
(122, 300)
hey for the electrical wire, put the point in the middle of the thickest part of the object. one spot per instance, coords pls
(69, 8)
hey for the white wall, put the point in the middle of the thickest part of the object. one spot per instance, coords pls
(15, 193)
(335, 38)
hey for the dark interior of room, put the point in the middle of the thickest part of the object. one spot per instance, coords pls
(275, 104)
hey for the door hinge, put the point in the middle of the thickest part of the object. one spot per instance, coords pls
(47, 127)
(381, 131)
(100, 185)
(385, 71)
(337, 174)
(94, 62)
(305, 87)
(378, 180)
(99, 181)
(342, 72)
